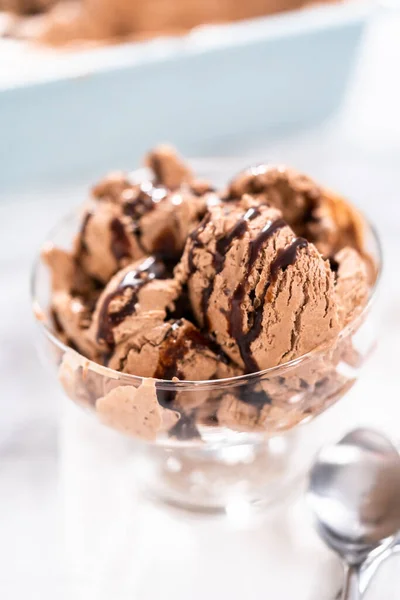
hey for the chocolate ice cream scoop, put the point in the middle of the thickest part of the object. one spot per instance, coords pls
(129, 219)
(312, 212)
(168, 168)
(73, 299)
(72, 316)
(135, 300)
(352, 287)
(173, 350)
(265, 294)
(167, 350)
(135, 411)
(66, 273)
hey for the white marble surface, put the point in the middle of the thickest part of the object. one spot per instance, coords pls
(114, 546)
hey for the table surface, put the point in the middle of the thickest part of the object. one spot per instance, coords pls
(116, 546)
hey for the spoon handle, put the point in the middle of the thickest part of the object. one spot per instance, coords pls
(371, 566)
(351, 587)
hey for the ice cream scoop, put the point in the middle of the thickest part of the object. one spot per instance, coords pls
(133, 216)
(167, 350)
(266, 294)
(137, 296)
(312, 211)
(130, 326)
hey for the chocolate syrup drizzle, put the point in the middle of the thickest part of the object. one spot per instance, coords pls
(120, 245)
(284, 258)
(145, 200)
(82, 243)
(175, 347)
(255, 397)
(237, 232)
(172, 352)
(185, 428)
(222, 246)
(333, 264)
(135, 279)
(235, 316)
(287, 256)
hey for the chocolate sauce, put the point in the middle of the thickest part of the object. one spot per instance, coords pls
(145, 200)
(148, 270)
(171, 351)
(166, 398)
(182, 308)
(321, 383)
(210, 420)
(85, 222)
(120, 245)
(175, 347)
(165, 245)
(204, 302)
(333, 264)
(255, 246)
(185, 428)
(222, 246)
(142, 202)
(287, 256)
(235, 316)
(309, 215)
(238, 230)
(257, 398)
(235, 327)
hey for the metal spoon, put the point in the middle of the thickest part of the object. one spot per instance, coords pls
(354, 492)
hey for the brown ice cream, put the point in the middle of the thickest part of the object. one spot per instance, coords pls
(143, 417)
(130, 218)
(172, 280)
(88, 20)
(74, 295)
(26, 7)
(129, 325)
(311, 211)
(265, 294)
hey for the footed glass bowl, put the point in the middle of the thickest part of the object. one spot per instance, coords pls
(211, 445)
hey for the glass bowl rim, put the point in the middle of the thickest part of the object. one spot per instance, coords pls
(185, 384)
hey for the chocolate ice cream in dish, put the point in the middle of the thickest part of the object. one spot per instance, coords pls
(171, 280)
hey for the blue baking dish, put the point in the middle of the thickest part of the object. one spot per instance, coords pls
(209, 93)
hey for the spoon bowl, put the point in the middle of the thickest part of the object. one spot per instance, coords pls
(354, 493)
(354, 490)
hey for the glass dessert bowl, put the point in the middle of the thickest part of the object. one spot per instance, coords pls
(202, 443)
